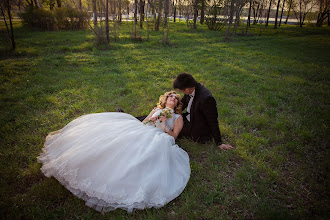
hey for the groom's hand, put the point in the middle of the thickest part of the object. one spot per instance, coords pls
(225, 147)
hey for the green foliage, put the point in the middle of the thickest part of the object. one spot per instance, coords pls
(58, 18)
(212, 22)
(273, 103)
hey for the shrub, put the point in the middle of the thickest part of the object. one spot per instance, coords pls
(212, 22)
(39, 17)
(59, 18)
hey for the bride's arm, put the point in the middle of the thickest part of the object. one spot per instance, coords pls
(149, 116)
(177, 127)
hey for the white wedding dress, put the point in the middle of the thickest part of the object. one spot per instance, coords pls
(112, 160)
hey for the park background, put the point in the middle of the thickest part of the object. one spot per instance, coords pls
(270, 81)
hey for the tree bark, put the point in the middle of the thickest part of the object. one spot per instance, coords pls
(94, 13)
(166, 12)
(142, 3)
(281, 14)
(135, 12)
(230, 20)
(157, 22)
(202, 12)
(174, 11)
(278, 6)
(249, 16)
(195, 14)
(255, 14)
(11, 26)
(324, 8)
(119, 11)
(287, 17)
(107, 20)
(270, 5)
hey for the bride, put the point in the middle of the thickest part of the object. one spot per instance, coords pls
(112, 160)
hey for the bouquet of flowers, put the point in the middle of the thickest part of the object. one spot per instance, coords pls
(163, 112)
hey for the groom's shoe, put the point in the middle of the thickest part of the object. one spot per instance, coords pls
(120, 110)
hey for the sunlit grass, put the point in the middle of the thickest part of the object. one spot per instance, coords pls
(272, 93)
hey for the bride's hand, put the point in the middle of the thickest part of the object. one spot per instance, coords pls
(154, 119)
(162, 118)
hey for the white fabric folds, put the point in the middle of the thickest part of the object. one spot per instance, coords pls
(112, 160)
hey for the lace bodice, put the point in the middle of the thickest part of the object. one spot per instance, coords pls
(170, 122)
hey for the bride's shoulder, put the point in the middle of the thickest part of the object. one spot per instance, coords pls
(177, 115)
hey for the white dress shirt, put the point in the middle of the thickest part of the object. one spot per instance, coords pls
(192, 95)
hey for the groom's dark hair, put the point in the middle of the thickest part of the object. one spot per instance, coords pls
(183, 81)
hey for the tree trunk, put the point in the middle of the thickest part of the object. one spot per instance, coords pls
(174, 11)
(287, 17)
(281, 13)
(142, 3)
(195, 14)
(255, 14)
(249, 17)
(202, 12)
(11, 27)
(159, 15)
(119, 11)
(59, 3)
(278, 6)
(300, 15)
(165, 28)
(135, 12)
(94, 13)
(270, 5)
(166, 12)
(230, 19)
(107, 20)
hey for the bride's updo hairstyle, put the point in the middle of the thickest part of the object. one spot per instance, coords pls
(163, 98)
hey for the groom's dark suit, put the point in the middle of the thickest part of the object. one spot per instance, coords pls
(203, 125)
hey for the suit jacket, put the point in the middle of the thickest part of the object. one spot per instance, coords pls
(203, 124)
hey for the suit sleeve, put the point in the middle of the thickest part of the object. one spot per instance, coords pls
(211, 114)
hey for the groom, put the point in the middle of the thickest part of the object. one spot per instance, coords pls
(201, 119)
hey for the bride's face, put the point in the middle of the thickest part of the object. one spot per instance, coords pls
(172, 101)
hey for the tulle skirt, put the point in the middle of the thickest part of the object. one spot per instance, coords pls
(112, 160)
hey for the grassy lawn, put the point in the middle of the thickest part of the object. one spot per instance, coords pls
(273, 101)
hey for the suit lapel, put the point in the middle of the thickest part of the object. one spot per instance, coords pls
(194, 103)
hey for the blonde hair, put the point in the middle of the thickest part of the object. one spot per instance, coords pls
(163, 98)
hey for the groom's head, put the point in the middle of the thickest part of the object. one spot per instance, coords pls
(185, 83)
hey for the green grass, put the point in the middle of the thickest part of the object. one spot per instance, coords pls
(273, 103)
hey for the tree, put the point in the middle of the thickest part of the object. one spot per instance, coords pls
(94, 13)
(282, 13)
(290, 3)
(277, 8)
(203, 6)
(230, 18)
(301, 9)
(174, 10)
(323, 13)
(142, 4)
(107, 20)
(195, 6)
(5, 6)
(249, 16)
(270, 6)
(160, 8)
